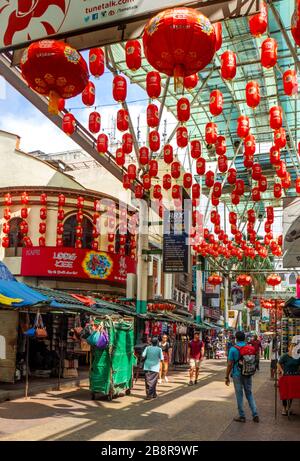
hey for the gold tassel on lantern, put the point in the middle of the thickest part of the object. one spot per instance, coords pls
(53, 103)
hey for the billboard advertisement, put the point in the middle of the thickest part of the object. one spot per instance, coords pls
(291, 232)
(76, 263)
(175, 248)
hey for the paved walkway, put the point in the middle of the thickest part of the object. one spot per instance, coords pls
(196, 413)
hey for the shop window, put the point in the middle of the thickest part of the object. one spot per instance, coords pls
(69, 234)
(15, 238)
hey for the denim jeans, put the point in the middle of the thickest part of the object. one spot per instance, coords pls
(244, 384)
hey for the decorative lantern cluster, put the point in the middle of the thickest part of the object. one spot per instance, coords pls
(43, 217)
(7, 217)
(60, 219)
(24, 224)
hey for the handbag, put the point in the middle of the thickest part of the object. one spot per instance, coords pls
(40, 330)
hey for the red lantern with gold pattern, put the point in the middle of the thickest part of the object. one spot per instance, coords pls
(286, 181)
(176, 192)
(211, 133)
(131, 171)
(55, 69)
(256, 194)
(221, 145)
(168, 153)
(274, 156)
(280, 138)
(222, 163)
(240, 187)
(42, 228)
(209, 178)
(96, 62)
(69, 124)
(281, 169)
(256, 171)
(196, 190)
(244, 280)
(153, 168)
(144, 155)
(119, 88)
(228, 65)
(195, 149)
(216, 102)
(243, 126)
(175, 170)
(122, 120)
(262, 183)
(153, 84)
(147, 181)
(273, 280)
(277, 190)
(127, 143)
(290, 82)
(7, 199)
(258, 23)
(215, 279)
(89, 94)
(187, 180)
(215, 201)
(269, 53)
(183, 110)
(232, 217)
(133, 53)
(182, 137)
(217, 189)
(275, 116)
(120, 156)
(152, 116)
(232, 175)
(201, 166)
(167, 181)
(157, 192)
(248, 161)
(94, 122)
(252, 94)
(43, 213)
(139, 191)
(126, 181)
(250, 145)
(154, 140)
(102, 144)
(190, 82)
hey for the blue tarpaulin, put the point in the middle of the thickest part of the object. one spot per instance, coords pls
(5, 273)
(17, 294)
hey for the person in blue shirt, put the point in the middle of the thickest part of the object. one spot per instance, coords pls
(153, 356)
(241, 383)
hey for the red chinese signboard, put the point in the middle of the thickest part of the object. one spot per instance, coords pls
(76, 263)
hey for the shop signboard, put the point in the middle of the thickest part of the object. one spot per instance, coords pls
(24, 21)
(175, 248)
(76, 263)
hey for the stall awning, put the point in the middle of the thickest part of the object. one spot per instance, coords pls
(212, 326)
(16, 294)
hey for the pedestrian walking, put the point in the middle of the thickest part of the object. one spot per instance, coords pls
(267, 350)
(164, 365)
(256, 343)
(153, 356)
(241, 367)
(288, 365)
(195, 356)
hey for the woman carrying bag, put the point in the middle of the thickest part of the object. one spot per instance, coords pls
(153, 356)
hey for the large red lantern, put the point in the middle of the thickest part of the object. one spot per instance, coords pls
(120, 156)
(290, 82)
(244, 280)
(144, 155)
(187, 180)
(69, 124)
(243, 126)
(280, 138)
(179, 42)
(127, 143)
(250, 145)
(175, 170)
(252, 94)
(195, 149)
(122, 120)
(228, 65)
(259, 22)
(275, 115)
(153, 168)
(133, 54)
(94, 122)
(102, 143)
(221, 145)
(295, 23)
(55, 69)
(168, 153)
(96, 62)
(191, 81)
(152, 116)
(298, 185)
(273, 280)
(269, 53)
(182, 137)
(277, 190)
(211, 133)
(218, 32)
(216, 102)
(248, 161)
(201, 166)
(183, 110)
(153, 84)
(154, 140)
(88, 94)
(222, 163)
(214, 279)
(119, 88)
(167, 181)
(281, 169)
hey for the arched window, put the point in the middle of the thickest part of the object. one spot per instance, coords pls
(292, 279)
(127, 244)
(69, 234)
(15, 235)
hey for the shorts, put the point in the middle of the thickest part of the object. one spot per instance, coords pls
(273, 364)
(194, 363)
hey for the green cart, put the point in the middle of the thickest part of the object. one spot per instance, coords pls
(111, 368)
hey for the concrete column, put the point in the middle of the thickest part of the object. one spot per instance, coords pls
(226, 302)
(199, 303)
(142, 259)
(51, 226)
(168, 286)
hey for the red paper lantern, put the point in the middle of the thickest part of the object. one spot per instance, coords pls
(5, 242)
(256, 194)
(27, 242)
(154, 141)
(187, 180)
(176, 192)
(61, 200)
(269, 53)
(290, 82)
(243, 126)
(126, 181)
(131, 171)
(252, 94)
(153, 168)
(281, 170)
(209, 178)
(259, 22)
(122, 120)
(248, 161)
(43, 213)
(280, 138)
(61, 104)
(157, 192)
(55, 69)
(286, 181)
(262, 183)
(119, 88)
(277, 190)
(295, 23)
(228, 65)
(216, 102)
(232, 217)
(133, 54)
(7, 199)
(182, 136)
(139, 191)
(175, 170)
(201, 166)
(250, 145)
(273, 280)
(153, 84)
(217, 189)
(43, 199)
(244, 280)
(190, 82)
(69, 124)
(120, 156)
(221, 145)
(211, 133)
(218, 32)
(222, 163)
(42, 241)
(274, 156)
(192, 43)
(24, 213)
(196, 190)
(168, 153)
(232, 174)
(102, 143)
(215, 201)
(256, 171)
(195, 149)
(88, 94)
(240, 187)
(147, 181)
(144, 155)
(152, 116)
(96, 62)
(127, 143)
(298, 185)
(167, 181)
(6, 228)
(94, 122)
(275, 117)
(214, 279)
(42, 228)
(183, 110)
(251, 215)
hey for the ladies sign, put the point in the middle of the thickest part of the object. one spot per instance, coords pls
(76, 263)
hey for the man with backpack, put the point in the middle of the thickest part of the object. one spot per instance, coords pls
(241, 367)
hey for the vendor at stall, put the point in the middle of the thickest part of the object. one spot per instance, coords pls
(289, 364)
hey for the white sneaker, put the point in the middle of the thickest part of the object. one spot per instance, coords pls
(159, 381)
(166, 379)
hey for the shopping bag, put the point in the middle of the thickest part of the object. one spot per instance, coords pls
(93, 338)
(30, 332)
(103, 340)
